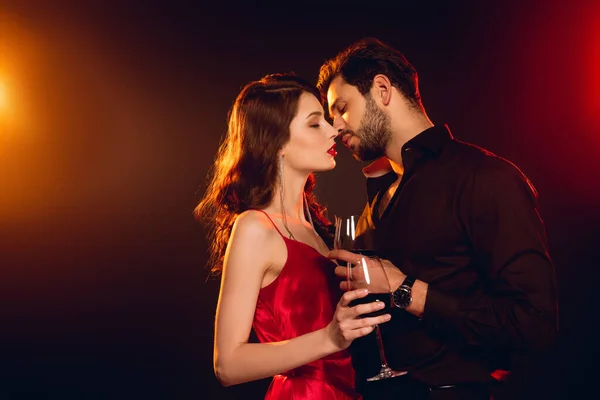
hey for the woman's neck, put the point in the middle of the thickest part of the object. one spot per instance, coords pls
(293, 198)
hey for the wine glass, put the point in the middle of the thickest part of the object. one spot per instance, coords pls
(362, 275)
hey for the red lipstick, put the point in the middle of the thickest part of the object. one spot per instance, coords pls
(332, 151)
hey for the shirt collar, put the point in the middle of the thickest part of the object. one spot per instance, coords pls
(432, 139)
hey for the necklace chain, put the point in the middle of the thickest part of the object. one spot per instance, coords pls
(284, 218)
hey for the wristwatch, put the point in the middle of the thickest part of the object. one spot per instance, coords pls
(402, 297)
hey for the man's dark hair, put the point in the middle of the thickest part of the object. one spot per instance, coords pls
(362, 60)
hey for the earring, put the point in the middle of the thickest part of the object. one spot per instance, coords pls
(281, 190)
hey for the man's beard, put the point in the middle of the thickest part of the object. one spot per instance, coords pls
(374, 132)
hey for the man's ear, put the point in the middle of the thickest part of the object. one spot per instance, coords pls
(382, 89)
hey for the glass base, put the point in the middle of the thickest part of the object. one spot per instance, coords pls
(386, 373)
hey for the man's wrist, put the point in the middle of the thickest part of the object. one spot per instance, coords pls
(419, 298)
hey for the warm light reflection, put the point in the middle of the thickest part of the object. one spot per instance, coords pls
(3, 100)
(9, 121)
(365, 268)
(19, 59)
(5, 112)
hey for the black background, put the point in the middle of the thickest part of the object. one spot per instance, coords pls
(113, 113)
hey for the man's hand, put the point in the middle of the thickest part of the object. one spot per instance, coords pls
(366, 269)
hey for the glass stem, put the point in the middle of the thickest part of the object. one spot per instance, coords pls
(380, 345)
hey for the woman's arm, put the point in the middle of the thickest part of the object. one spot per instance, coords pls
(246, 261)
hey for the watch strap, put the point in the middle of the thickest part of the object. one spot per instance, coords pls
(409, 281)
(403, 290)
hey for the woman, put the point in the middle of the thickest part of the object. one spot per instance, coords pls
(266, 231)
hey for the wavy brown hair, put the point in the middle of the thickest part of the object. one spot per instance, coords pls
(245, 172)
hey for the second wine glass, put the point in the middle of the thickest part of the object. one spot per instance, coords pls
(362, 275)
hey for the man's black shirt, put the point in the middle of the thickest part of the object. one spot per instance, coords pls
(466, 222)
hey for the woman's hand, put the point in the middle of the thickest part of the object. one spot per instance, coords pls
(346, 326)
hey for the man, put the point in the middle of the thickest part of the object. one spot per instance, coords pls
(458, 232)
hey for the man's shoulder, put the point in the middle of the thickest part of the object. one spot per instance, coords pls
(471, 151)
(488, 165)
(480, 157)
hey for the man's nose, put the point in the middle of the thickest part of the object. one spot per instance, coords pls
(338, 124)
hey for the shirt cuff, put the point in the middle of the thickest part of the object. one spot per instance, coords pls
(439, 307)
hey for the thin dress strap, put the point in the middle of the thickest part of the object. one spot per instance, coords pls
(275, 226)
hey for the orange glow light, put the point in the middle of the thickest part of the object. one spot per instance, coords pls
(3, 99)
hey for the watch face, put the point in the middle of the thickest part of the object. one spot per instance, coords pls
(402, 297)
